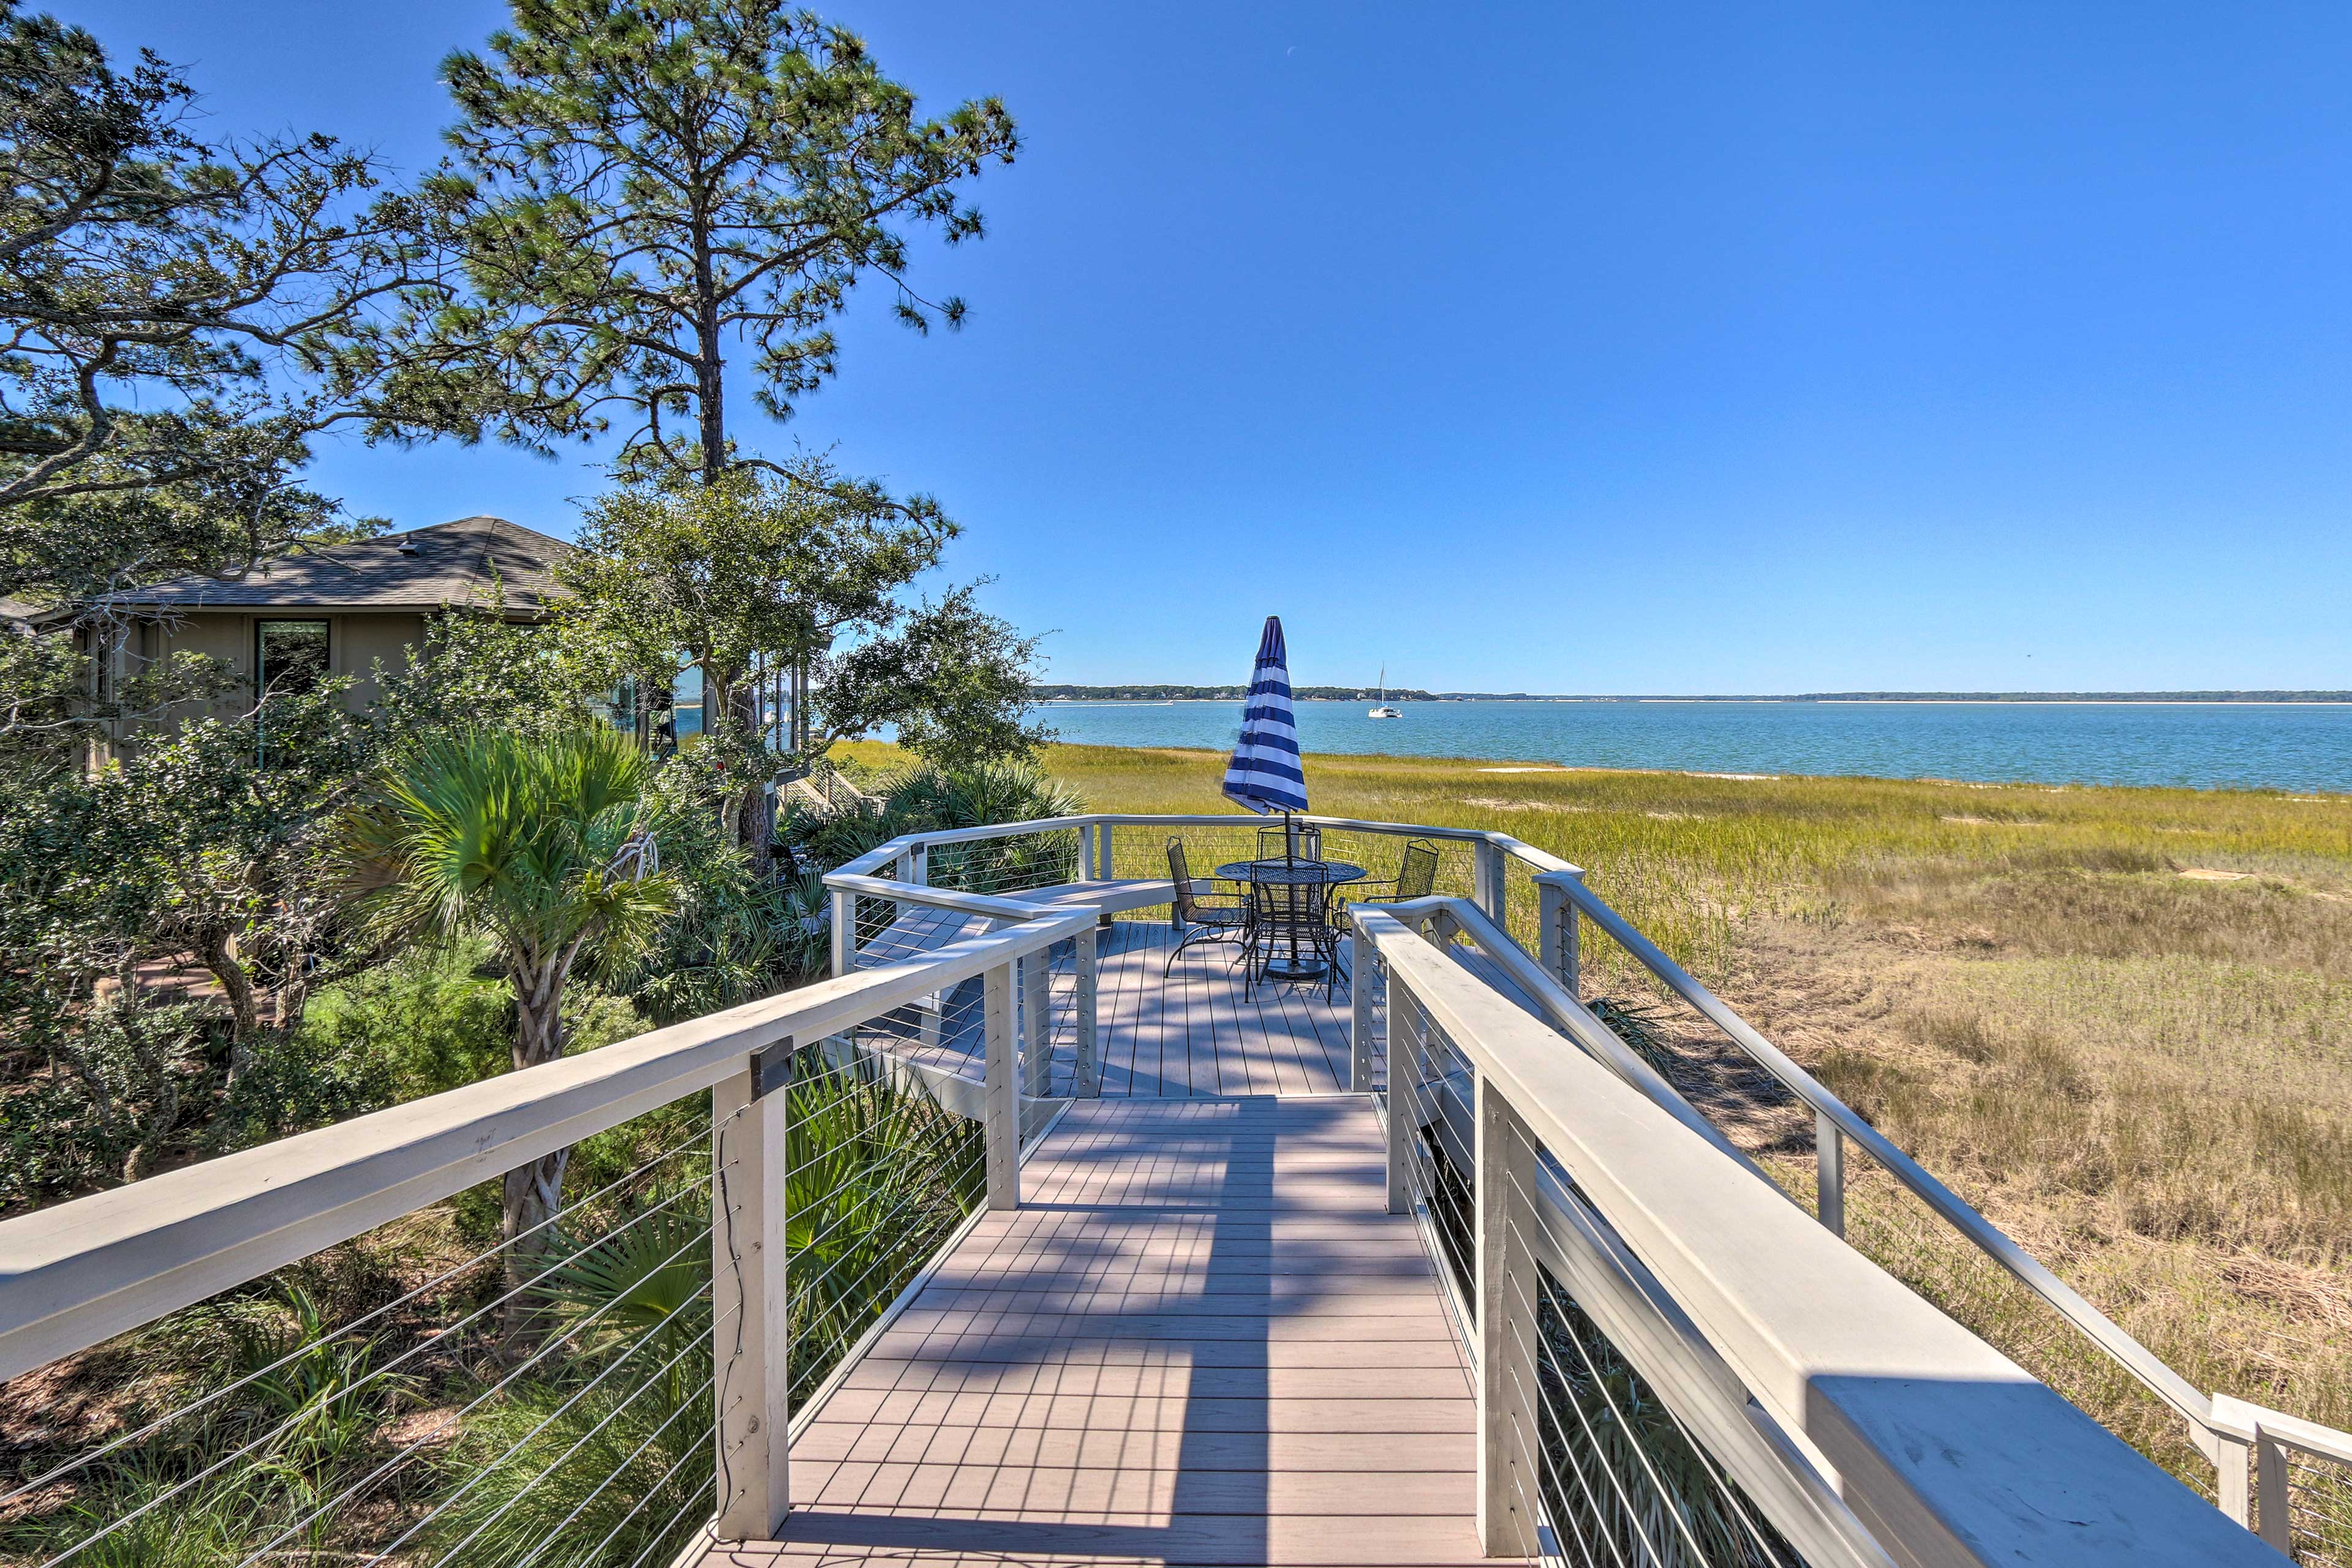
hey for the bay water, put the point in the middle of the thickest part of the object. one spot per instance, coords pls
(2296, 747)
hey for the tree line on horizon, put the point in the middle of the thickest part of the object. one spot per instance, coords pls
(1177, 693)
(1159, 693)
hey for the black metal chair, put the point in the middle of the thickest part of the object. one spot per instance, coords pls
(1289, 916)
(1282, 843)
(1217, 918)
(1416, 878)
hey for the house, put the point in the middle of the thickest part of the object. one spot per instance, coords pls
(336, 610)
(333, 610)
(344, 610)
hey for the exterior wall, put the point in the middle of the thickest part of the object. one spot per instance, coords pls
(216, 635)
(356, 642)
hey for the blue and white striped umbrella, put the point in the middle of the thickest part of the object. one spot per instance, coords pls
(1265, 774)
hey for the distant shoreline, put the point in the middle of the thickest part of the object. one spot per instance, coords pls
(2015, 700)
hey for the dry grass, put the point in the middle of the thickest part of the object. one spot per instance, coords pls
(2143, 1075)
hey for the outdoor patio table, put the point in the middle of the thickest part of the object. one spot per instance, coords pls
(1325, 875)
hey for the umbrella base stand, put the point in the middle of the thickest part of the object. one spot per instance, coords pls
(1296, 968)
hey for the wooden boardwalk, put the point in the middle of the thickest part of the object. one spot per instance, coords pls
(1202, 1340)
(1193, 1033)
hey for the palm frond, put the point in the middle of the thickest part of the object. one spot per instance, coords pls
(522, 837)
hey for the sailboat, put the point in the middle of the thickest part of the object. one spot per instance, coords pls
(1382, 709)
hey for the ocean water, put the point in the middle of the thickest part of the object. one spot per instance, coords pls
(2289, 746)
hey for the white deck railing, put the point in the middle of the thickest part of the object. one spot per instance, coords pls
(1832, 1412)
(1838, 1418)
(75, 1276)
(1526, 908)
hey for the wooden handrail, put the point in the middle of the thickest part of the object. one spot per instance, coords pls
(2194, 1406)
(1570, 1017)
(77, 1274)
(987, 906)
(881, 855)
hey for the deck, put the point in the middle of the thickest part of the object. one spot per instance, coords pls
(1185, 1330)
(1202, 1340)
(1193, 1033)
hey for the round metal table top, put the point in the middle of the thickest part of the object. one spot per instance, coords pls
(1291, 872)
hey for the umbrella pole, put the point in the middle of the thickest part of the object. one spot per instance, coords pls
(1289, 861)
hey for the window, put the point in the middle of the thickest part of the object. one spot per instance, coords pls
(686, 715)
(618, 707)
(290, 657)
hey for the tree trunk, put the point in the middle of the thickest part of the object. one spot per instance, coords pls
(752, 806)
(533, 1192)
(801, 730)
(218, 950)
(709, 354)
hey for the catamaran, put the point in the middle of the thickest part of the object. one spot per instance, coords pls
(1382, 709)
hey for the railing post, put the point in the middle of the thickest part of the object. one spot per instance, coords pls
(918, 865)
(1556, 933)
(999, 1097)
(1405, 1085)
(751, 1327)
(2233, 1479)
(1364, 966)
(845, 932)
(1102, 849)
(1829, 1173)
(1489, 888)
(1506, 1287)
(1087, 861)
(1036, 1024)
(1087, 1072)
(2275, 1507)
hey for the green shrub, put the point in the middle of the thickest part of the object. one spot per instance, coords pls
(925, 797)
(129, 1074)
(437, 1017)
(563, 1476)
(297, 1081)
(428, 1021)
(208, 1524)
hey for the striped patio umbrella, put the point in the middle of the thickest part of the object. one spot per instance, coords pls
(1265, 774)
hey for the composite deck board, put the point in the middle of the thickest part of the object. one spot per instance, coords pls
(1192, 1032)
(1383, 1454)
(1202, 1340)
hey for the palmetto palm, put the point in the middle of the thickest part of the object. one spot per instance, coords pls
(543, 844)
(875, 1176)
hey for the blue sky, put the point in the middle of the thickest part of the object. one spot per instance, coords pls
(1593, 348)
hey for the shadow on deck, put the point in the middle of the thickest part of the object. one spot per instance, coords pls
(1202, 1340)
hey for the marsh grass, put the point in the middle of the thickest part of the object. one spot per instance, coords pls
(2146, 1077)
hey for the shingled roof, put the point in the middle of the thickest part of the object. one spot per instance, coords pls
(424, 569)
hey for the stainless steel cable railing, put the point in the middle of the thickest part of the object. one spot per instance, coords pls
(762, 1186)
(1672, 1358)
(1539, 907)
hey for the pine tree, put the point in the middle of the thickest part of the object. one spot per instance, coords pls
(635, 190)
